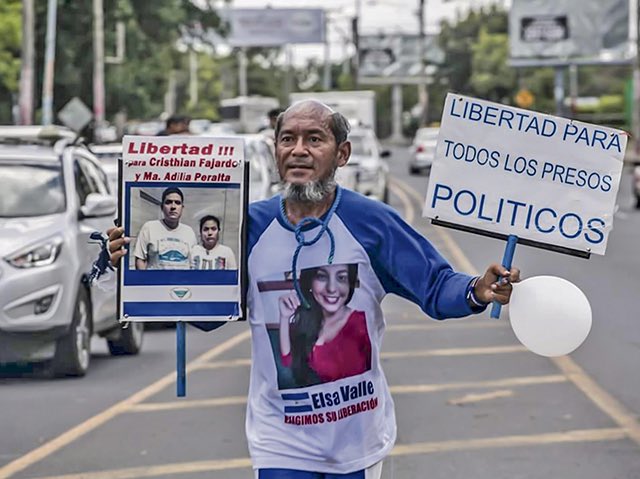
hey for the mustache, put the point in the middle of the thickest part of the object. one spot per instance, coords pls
(299, 164)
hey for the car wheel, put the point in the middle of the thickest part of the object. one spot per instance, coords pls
(129, 342)
(73, 350)
(413, 170)
(638, 202)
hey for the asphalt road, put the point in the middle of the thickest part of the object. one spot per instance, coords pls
(470, 401)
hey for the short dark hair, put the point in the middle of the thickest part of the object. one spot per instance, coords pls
(274, 112)
(168, 191)
(173, 119)
(338, 125)
(206, 218)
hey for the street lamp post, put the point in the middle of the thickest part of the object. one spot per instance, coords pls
(98, 63)
(25, 101)
(423, 94)
(49, 63)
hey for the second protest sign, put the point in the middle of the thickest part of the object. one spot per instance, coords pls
(510, 171)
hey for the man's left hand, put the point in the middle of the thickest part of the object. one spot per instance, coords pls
(495, 284)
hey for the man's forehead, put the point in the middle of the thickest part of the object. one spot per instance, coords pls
(310, 113)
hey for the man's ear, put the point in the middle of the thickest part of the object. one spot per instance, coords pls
(344, 152)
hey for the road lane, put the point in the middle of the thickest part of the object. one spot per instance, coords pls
(544, 426)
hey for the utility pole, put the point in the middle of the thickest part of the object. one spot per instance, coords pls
(243, 89)
(355, 32)
(193, 77)
(635, 106)
(423, 94)
(49, 63)
(25, 100)
(326, 74)
(98, 63)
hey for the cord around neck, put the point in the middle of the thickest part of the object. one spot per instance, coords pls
(298, 230)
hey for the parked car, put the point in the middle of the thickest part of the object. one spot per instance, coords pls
(423, 150)
(54, 195)
(109, 154)
(264, 180)
(368, 161)
(636, 184)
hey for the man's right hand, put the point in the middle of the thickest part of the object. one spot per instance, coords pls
(117, 242)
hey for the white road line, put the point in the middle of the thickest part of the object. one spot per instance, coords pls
(96, 421)
(478, 397)
(586, 435)
(395, 390)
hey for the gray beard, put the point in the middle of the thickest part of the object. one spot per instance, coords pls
(313, 192)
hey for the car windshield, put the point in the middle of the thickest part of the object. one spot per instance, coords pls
(31, 190)
(361, 145)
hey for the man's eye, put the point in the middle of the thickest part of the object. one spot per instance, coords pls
(315, 139)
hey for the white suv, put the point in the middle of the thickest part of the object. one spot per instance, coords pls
(54, 194)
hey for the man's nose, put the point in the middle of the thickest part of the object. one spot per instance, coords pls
(299, 148)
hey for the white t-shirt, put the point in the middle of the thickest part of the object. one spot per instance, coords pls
(165, 248)
(345, 424)
(219, 257)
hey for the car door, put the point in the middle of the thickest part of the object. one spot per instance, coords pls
(89, 178)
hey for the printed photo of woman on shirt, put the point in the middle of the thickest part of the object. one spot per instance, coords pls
(323, 340)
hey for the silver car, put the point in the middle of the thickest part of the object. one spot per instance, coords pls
(423, 150)
(54, 195)
(371, 167)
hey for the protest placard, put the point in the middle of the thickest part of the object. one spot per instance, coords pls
(550, 181)
(183, 203)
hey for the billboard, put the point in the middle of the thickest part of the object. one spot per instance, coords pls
(395, 58)
(272, 27)
(561, 32)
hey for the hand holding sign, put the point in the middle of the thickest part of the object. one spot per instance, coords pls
(549, 315)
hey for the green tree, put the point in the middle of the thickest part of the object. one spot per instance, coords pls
(10, 40)
(492, 78)
(139, 84)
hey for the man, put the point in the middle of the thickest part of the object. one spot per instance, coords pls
(341, 428)
(212, 254)
(166, 243)
(176, 125)
(269, 130)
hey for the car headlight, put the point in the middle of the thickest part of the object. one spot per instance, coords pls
(39, 254)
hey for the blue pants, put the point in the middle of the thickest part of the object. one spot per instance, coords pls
(291, 474)
(372, 472)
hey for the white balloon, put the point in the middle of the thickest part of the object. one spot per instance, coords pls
(550, 316)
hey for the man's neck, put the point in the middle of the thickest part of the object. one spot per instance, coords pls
(297, 210)
(171, 224)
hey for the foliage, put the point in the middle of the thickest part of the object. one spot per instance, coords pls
(491, 77)
(138, 85)
(10, 38)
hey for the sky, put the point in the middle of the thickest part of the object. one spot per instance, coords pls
(387, 16)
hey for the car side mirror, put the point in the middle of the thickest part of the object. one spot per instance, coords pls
(385, 154)
(96, 205)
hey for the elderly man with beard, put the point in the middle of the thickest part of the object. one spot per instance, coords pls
(342, 428)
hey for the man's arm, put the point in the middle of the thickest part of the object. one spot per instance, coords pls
(407, 264)
(140, 248)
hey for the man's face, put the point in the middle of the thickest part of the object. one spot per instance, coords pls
(179, 128)
(172, 207)
(209, 233)
(306, 149)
